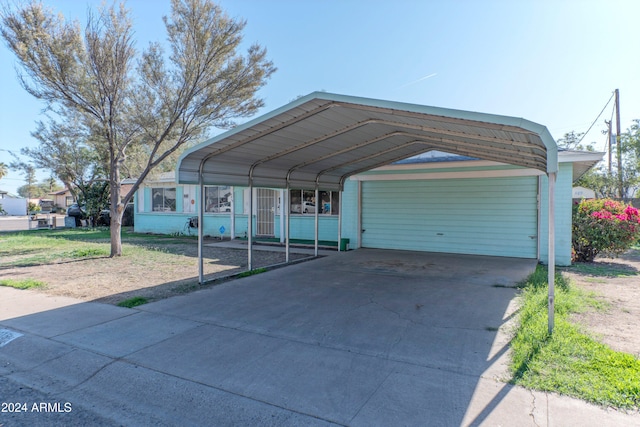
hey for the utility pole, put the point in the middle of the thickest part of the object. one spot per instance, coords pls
(620, 194)
(608, 122)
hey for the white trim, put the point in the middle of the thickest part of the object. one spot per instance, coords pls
(163, 177)
(440, 165)
(579, 156)
(281, 214)
(563, 157)
(539, 216)
(232, 214)
(552, 251)
(140, 200)
(359, 215)
(449, 175)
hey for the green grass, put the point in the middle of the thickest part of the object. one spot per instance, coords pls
(22, 284)
(28, 248)
(43, 247)
(133, 302)
(569, 361)
(252, 272)
(88, 252)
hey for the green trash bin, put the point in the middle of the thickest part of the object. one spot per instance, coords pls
(344, 245)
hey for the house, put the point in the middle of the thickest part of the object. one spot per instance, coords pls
(579, 193)
(395, 200)
(382, 175)
(7, 195)
(62, 199)
(12, 204)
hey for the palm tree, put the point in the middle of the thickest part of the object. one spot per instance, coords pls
(3, 170)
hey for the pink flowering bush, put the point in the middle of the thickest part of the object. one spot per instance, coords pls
(603, 226)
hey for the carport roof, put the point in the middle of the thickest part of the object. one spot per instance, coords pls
(324, 138)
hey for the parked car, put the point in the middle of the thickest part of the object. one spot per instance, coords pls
(127, 216)
(307, 207)
(222, 207)
(104, 218)
(78, 212)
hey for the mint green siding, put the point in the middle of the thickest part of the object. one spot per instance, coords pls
(303, 227)
(172, 223)
(563, 202)
(349, 212)
(175, 222)
(488, 216)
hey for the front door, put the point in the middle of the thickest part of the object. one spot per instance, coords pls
(266, 204)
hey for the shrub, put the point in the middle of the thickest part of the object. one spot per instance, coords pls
(603, 226)
(33, 208)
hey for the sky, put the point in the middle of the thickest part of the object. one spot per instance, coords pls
(554, 62)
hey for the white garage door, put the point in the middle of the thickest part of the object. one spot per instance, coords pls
(487, 216)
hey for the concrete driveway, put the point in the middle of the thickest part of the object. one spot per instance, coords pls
(368, 337)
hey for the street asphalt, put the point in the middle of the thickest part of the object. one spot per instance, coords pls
(362, 338)
(22, 223)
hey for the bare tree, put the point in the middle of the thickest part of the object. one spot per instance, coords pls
(151, 103)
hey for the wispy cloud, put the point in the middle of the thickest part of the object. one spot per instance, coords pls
(419, 80)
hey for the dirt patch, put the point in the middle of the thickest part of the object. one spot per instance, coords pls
(111, 280)
(617, 281)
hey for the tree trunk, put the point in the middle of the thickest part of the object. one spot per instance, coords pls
(116, 210)
(116, 228)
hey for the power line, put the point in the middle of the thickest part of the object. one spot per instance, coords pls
(594, 122)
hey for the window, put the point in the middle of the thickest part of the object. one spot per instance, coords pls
(218, 199)
(163, 199)
(68, 200)
(304, 202)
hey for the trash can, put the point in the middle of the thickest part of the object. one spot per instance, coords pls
(344, 245)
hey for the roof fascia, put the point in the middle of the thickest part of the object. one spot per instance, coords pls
(580, 156)
(440, 165)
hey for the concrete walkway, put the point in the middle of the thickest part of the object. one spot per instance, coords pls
(364, 338)
(274, 247)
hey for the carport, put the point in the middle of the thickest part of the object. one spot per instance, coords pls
(318, 141)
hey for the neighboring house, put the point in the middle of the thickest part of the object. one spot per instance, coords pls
(430, 202)
(580, 193)
(7, 195)
(62, 199)
(12, 204)
(126, 185)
